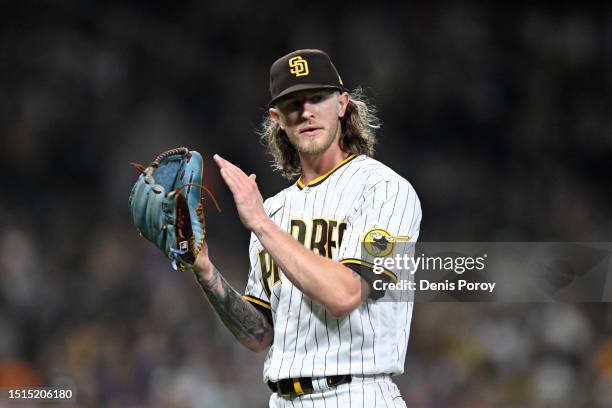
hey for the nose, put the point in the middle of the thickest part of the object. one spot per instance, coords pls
(307, 110)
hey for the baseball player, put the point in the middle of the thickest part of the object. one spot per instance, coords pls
(332, 339)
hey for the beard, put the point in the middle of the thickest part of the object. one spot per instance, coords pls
(313, 145)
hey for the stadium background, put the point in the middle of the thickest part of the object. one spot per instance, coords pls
(500, 118)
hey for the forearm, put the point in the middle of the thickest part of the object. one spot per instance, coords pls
(245, 322)
(324, 280)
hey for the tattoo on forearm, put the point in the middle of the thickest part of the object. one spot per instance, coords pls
(245, 322)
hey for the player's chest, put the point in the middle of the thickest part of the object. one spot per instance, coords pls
(316, 223)
(319, 227)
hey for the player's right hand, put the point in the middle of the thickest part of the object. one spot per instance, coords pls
(248, 199)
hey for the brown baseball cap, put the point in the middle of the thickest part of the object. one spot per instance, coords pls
(302, 69)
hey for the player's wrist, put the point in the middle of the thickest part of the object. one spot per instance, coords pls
(262, 226)
(203, 268)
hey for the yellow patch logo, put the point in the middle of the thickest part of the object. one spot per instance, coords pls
(299, 66)
(378, 242)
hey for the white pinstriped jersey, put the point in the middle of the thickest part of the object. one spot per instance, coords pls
(330, 216)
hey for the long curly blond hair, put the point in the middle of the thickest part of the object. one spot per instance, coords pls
(359, 123)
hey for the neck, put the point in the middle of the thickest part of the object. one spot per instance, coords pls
(314, 166)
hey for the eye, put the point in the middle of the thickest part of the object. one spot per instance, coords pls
(289, 106)
(316, 98)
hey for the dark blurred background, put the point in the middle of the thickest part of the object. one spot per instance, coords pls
(498, 115)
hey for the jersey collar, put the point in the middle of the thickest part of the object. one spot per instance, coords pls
(322, 178)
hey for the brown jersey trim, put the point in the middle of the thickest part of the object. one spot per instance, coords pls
(366, 271)
(264, 307)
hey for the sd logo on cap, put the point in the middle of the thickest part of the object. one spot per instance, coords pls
(302, 69)
(299, 66)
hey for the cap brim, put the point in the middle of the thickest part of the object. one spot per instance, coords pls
(301, 87)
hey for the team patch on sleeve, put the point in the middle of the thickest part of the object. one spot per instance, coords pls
(379, 243)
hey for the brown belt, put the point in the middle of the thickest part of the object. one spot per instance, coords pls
(294, 387)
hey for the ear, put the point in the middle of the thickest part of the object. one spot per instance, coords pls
(343, 100)
(276, 116)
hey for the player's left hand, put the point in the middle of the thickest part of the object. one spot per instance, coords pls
(247, 197)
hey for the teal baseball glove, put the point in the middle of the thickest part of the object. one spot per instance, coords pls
(167, 205)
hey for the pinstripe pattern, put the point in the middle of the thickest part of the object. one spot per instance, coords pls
(364, 194)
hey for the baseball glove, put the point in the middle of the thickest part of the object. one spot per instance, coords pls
(167, 205)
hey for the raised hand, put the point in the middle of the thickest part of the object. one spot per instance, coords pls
(247, 197)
